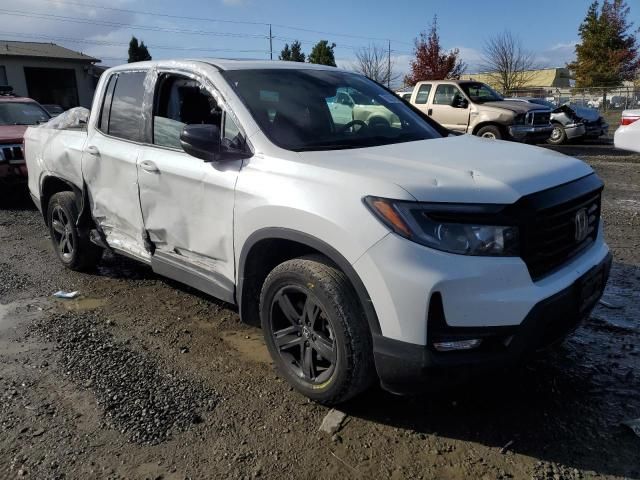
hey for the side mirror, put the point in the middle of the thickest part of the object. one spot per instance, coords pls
(201, 141)
(459, 102)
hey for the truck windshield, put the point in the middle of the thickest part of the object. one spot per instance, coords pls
(480, 92)
(303, 110)
(22, 113)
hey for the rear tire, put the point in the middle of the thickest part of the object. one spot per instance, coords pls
(316, 331)
(490, 131)
(71, 244)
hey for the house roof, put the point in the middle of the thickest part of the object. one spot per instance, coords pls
(13, 48)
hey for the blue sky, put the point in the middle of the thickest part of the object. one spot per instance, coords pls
(547, 27)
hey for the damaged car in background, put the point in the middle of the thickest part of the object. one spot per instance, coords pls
(16, 114)
(370, 250)
(571, 121)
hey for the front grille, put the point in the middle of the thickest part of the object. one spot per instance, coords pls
(538, 117)
(550, 237)
(12, 153)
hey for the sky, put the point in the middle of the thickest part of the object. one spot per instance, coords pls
(239, 28)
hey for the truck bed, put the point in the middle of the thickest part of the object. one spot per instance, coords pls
(54, 152)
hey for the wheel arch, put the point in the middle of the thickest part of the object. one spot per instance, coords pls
(268, 247)
(49, 186)
(52, 184)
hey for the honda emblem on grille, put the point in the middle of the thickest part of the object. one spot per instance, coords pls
(582, 224)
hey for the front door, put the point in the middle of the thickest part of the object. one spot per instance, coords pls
(187, 203)
(447, 110)
(109, 164)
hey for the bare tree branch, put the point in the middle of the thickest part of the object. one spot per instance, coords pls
(506, 62)
(373, 62)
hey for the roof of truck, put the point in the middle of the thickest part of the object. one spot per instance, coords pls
(230, 64)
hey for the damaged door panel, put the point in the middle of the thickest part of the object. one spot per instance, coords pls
(187, 203)
(110, 162)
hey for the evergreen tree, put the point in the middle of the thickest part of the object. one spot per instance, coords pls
(296, 52)
(293, 54)
(285, 53)
(608, 52)
(138, 52)
(322, 53)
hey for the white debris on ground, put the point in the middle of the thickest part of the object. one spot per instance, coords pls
(332, 422)
(66, 295)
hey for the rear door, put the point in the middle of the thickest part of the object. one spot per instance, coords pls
(421, 97)
(187, 203)
(444, 112)
(109, 163)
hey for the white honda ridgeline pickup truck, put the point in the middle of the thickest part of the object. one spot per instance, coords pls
(378, 249)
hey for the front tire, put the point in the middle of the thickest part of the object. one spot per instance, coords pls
(558, 135)
(316, 331)
(73, 247)
(490, 131)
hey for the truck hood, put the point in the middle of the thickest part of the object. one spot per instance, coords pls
(464, 168)
(515, 107)
(12, 133)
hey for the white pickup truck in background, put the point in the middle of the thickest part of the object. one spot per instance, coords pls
(365, 248)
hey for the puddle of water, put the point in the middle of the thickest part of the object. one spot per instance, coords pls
(81, 304)
(11, 314)
(249, 345)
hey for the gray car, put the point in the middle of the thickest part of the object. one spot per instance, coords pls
(571, 121)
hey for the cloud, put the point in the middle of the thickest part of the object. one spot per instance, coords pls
(557, 55)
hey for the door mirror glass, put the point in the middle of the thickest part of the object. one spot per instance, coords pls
(201, 141)
(459, 102)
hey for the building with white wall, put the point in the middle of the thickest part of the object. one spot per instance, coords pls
(49, 73)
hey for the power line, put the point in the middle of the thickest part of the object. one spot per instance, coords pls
(218, 20)
(62, 18)
(124, 44)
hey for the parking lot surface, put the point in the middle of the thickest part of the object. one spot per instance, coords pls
(140, 377)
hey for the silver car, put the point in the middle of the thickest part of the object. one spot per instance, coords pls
(571, 121)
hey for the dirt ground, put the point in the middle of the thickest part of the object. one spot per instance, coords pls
(143, 378)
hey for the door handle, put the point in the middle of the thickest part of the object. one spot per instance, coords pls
(149, 166)
(430, 111)
(93, 150)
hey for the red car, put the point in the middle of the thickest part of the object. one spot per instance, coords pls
(16, 114)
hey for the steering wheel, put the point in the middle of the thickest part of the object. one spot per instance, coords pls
(346, 126)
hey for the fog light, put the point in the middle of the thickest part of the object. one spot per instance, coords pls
(457, 345)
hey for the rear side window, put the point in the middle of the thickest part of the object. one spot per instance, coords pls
(423, 93)
(125, 118)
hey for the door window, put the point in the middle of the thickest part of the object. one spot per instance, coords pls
(125, 117)
(423, 93)
(445, 94)
(183, 101)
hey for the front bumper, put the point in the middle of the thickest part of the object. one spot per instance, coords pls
(406, 368)
(596, 129)
(575, 130)
(527, 133)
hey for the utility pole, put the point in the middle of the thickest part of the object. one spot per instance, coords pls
(270, 43)
(389, 65)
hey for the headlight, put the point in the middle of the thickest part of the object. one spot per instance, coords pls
(519, 119)
(453, 228)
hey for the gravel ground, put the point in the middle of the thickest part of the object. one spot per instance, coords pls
(141, 377)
